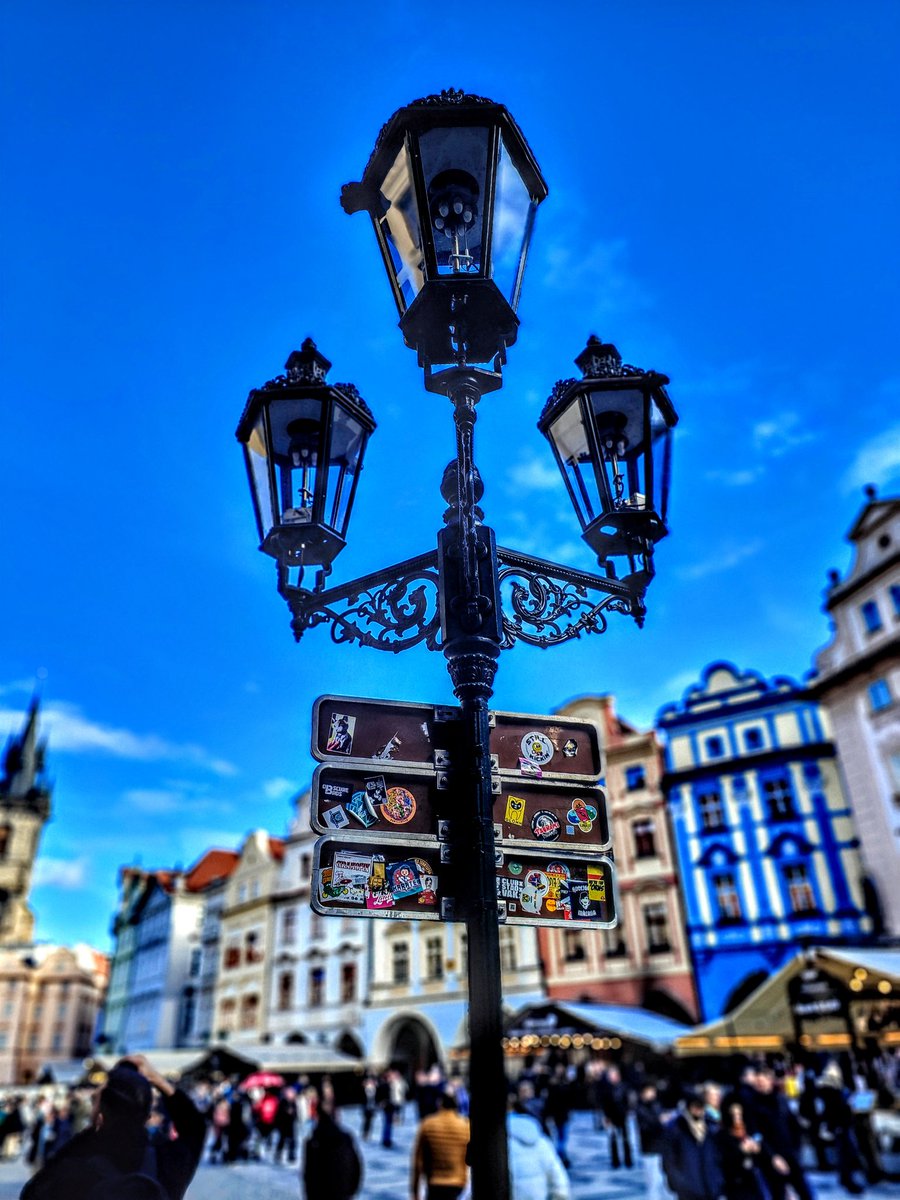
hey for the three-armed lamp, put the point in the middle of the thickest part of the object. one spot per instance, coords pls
(452, 189)
(304, 442)
(611, 435)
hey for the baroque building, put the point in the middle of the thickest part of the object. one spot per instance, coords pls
(767, 852)
(645, 961)
(24, 810)
(857, 679)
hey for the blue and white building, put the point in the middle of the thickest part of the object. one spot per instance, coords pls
(767, 852)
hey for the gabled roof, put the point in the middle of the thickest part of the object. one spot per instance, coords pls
(209, 868)
(276, 848)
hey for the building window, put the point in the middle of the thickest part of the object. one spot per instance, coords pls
(728, 902)
(644, 838)
(249, 1012)
(289, 926)
(229, 1009)
(196, 959)
(715, 747)
(573, 945)
(252, 950)
(242, 893)
(895, 598)
(812, 772)
(508, 957)
(614, 943)
(753, 739)
(879, 695)
(712, 814)
(348, 983)
(305, 867)
(5, 835)
(800, 893)
(635, 778)
(656, 923)
(778, 797)
(317, 987)
(400, 962)
(434, 958)
(871, 616)
(316, 927)
(285, 991)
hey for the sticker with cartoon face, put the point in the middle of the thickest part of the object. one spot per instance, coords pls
(545, 826)
(428, 895)
(398, 806)
(570, 748)
(535, 887)
(537, 748)
(340, 734)
(558, 900)
(515, 810)
(405, 879)
(583, 815)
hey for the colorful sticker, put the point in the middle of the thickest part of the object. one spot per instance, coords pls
(558, 898)
(583, 907)
(428, 894)
(398, 806)
(515, 810)
(508, 889)
(348, 893)
(596, 882)
(532, 770)
(348, 866)
(545, 826)
(405, 879)
(570, 748)
(583, 815)
(515, 868)
(535, 887)
(376, 791)
(335, 818)
(378, 892)
(387, 750)
(335, 791)
(358, 806)
(340, 735)
(537, 748)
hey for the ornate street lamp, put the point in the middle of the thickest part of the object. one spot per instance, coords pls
(452, 189)
(304, 441)
(611, 436)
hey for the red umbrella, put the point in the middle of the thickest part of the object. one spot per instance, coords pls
(263, 1079)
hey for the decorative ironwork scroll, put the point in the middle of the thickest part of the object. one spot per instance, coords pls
(550, 604)
(392, 609)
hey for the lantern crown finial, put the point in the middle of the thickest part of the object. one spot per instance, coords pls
(307, 365)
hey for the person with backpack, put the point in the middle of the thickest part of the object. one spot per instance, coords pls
(332, 1169)
(114, 1159)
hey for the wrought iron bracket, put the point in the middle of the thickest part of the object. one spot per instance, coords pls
(549, 603)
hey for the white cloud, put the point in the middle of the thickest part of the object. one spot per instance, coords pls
(877, 461)
(68, 874)
(534, 475)
(781, 434)
(154, 800)
(604, 268)
(70, 731)
(740, 477)
(277, 789)
(729, 556)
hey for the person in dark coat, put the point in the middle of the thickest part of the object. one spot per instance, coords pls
(332, 1169)
(836, 1129)
(767, 1113)
(286, 1116)
(558, 1106)
(113, 1158)
(615, 1102)
(692, 1159)
(743, 1157)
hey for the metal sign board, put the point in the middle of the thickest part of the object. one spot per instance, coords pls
(348, 728)
(366, 797)
(573, 891)
(351, 728)
(560, 817)
(366, 876)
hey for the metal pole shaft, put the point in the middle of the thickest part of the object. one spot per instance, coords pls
(472, 626)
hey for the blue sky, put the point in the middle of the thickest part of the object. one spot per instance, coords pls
(723, 205)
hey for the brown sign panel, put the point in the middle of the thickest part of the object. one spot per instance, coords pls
(376, 877)
(561, 817)
(386, 731)
(369, 798)
(573, 891)
(347, 728)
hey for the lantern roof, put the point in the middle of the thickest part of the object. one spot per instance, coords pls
(602, 360)
(452, 106)
(304, 368)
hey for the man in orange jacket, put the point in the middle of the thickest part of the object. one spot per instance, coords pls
(439, 1153)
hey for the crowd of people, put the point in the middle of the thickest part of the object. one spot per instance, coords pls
(750, 1138)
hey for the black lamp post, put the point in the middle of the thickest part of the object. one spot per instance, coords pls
(452, 189)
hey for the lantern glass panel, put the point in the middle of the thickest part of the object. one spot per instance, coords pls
(570, 441)
(347, 437)
(258, 470)
(661, 449)
(400, 227)
(514, 212)
(296, 432)
(619, 423)
(455, 164)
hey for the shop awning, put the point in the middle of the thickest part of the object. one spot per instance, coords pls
(561, 1020)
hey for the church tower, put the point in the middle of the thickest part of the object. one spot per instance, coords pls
(24, 809)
